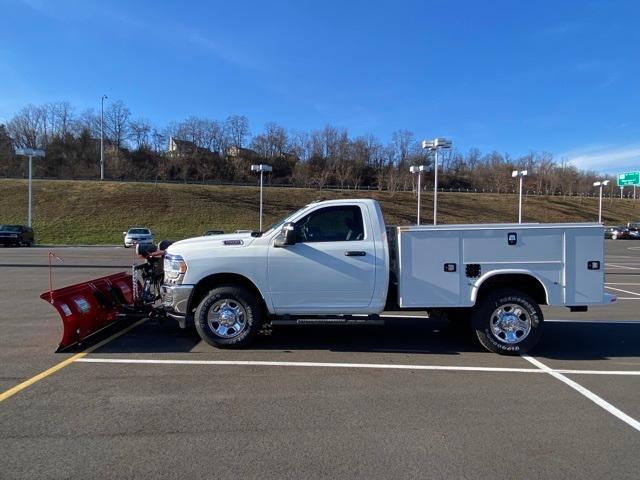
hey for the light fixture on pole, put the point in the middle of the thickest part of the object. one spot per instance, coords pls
(521, 174)
(102, 136)
(30, 152)
(261, 169)
(600, 184)
(434, 145)
(418, 169)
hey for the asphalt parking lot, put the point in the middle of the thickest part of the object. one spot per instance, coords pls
(413, 398)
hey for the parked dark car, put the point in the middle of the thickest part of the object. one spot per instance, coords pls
(16, 235)
(616, 233)
(634, 233)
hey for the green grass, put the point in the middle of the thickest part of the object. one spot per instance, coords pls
(80, 212)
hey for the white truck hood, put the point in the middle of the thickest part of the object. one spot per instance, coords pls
(230, 240)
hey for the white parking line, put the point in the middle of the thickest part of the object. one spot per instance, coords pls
(620, 290)
(383, 366)
(621, 266)
(632, 422)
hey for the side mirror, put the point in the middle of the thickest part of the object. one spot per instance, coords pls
(287, 236)
(124, 233)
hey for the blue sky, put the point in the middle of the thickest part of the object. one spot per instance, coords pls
(513, 76)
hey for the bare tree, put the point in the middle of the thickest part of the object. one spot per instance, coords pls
(218, 140)
(88, 120)
(27, 127)
(116, 123)
(272, 143)
(140, 133)
(237, 127)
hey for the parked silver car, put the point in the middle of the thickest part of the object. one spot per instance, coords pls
(137, 236)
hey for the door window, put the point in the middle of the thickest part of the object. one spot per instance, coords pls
(331, 224)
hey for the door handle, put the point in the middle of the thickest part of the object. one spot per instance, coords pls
(354, 253)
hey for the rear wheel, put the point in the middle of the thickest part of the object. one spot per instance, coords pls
(508, 322)
(229, 316)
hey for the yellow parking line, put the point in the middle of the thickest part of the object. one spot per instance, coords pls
(36, 378)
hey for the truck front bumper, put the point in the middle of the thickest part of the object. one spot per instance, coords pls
(175, 299)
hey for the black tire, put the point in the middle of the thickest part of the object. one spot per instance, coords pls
(483, 318)
(237, 298)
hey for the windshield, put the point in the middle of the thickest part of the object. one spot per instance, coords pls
(10, 228)
(281, 222)
(139, 231)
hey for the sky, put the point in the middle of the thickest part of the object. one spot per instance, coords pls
(512, 76)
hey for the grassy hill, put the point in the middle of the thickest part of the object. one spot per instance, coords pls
(83, 212)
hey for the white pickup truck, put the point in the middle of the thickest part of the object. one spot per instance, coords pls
(337, 259)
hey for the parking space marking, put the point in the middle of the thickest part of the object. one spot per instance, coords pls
(379, 366)
(621, 266)
(632, 422)
(621, 290)
(258, 363)
(65, 363)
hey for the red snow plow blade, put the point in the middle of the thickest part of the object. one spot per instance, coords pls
(87, 308)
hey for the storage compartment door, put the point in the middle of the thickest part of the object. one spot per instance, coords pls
(584, 285)
(423, 281)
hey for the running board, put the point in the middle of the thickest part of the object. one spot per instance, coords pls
(334, 320)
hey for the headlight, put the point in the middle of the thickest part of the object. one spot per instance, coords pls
(174, 268)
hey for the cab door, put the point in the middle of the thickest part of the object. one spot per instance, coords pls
(332, 266)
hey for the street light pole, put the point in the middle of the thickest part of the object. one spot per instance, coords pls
(521, 174)
(102, 136)
(434, 145)
(30, 152)
(435, 188)
(600, 184)
(418, 169)
(30, 181)
(261, 169)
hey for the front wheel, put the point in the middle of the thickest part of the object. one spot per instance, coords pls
(508, 322)
(228, 317)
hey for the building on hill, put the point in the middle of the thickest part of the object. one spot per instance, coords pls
(239, 152)
(179, 147)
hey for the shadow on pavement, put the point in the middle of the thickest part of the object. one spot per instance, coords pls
(562, 341)
(589, 341)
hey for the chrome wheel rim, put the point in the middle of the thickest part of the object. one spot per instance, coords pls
(510, 323)
(227, 318)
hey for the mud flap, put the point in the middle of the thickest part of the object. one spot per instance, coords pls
(87, 308)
